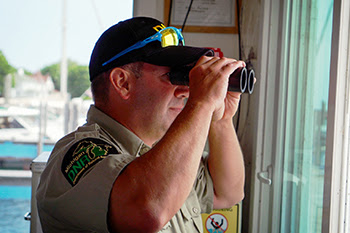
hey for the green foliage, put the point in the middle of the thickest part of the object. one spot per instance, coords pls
(78, 77)
(54, 71)
(5, 68)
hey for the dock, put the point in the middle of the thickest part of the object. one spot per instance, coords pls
(15, 177)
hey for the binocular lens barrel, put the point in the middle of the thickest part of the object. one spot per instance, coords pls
(241, 80)
(238, 80)
(250, 85)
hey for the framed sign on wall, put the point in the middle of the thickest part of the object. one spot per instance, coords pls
(210, 16)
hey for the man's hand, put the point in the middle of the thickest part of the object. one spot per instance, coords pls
(209, 84)
(231, 104)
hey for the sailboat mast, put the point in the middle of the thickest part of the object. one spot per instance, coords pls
(64, 70)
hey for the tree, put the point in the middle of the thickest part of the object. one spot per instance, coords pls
(78, 77)
(5, 68)
(54, 71)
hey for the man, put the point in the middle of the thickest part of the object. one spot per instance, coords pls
(137, 164)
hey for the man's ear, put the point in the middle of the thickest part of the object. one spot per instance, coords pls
(122, 81)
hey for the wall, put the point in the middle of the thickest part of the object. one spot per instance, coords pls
(227, 42)
(251, 30)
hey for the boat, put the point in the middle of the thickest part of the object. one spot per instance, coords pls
(23, 135)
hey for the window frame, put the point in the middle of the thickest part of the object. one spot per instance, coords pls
(336, 208)
(336, 198)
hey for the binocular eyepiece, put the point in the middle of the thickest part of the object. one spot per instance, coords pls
(241, 80)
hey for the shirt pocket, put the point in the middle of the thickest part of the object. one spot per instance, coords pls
(191, 213)
(166, 228)
(188, 219)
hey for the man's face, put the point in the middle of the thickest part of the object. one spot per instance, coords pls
(156, 101)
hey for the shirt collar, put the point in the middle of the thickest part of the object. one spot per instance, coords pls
(126, 139)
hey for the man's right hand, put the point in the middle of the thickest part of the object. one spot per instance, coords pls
(209, 83)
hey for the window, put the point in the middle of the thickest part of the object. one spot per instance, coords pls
(301, 165)
(309, 34)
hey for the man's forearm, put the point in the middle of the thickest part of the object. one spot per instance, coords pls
(165, 174)
(226, 164)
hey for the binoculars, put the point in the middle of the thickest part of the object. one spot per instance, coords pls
(241, 80)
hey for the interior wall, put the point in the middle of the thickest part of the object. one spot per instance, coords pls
(228, 43)
(251, 12)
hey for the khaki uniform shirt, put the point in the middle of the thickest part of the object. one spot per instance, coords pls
(74, 189)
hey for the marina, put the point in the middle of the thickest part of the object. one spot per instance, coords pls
(15, 177)
(29, 127)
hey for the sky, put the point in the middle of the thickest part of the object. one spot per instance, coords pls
(31, 30)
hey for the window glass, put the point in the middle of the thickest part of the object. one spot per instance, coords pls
(308, 63)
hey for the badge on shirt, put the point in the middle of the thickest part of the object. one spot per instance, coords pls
(82, 156)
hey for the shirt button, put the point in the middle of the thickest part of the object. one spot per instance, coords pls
(195, 210)
(144, 149)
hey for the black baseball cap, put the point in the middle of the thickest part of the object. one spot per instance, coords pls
(125, 34)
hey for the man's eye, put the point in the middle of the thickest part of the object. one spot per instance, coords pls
(166, 76)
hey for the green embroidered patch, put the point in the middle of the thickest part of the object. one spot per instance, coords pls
(82, 156)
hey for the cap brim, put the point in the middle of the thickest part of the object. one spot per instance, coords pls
(177, 55)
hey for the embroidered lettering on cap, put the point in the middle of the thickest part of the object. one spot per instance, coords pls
(82, 156)
(159, 27)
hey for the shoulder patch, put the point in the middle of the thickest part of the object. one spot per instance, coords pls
(83, 155)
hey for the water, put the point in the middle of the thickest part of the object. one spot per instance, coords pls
(14, 203)
(21, 150)
(15, 200)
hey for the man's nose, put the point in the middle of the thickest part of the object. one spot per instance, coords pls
(182, 91)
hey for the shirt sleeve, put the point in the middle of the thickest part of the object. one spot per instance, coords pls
(84, 205)
(204, 186)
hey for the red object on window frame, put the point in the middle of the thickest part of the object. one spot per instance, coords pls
(217, 52)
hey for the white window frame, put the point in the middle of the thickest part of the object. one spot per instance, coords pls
(336, 199)
(336, 209)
